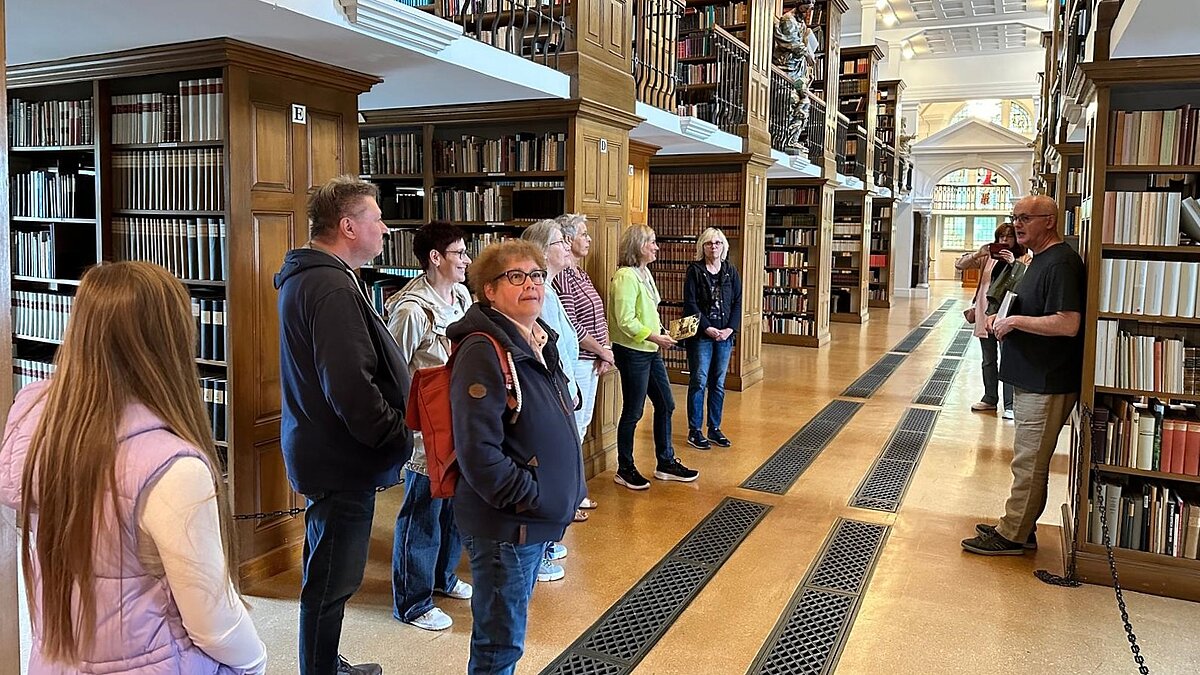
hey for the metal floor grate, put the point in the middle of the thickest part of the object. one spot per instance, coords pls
(960, 343)
(912, 340)
(870, 381)
(780, 471)
(885, 484)
(809, 636)
(623, 636)
(938, 385)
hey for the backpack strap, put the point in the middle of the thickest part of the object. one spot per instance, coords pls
(512, 385)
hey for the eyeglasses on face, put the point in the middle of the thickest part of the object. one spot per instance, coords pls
(517, 277)
(457, 252)
(1026, 218)
(713, 244)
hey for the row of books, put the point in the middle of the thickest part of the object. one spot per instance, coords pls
(698, 18)
(779, 278)
(49, 193)
(797, 237)
(693, 46)
(214, 391)
(788, 325)
(394, 153)
(698, 73)
(1154, 519)
(1145, 362)
(705, 110)
(210, 328)
(189, 179)
(191, 248)
(196, 113)
(28, 371)
(877, 294)
(509, 153)
(1146, 434)
(1144, 137)
(1144, 218)
(860, 86)
(709, 187)
(398, 202)
(877, 260)
(1074, 181)
(847, 229)
(786, 259)
(857, 66)
(469, 7)
(790, 300)
(846, 246)
(808, 220)
(794, 196)
(41, 315)
(31, 253)
(39, 124)
(398, 250)
(682, 221)
(1149, 287)
(479, 204)
(523, 39)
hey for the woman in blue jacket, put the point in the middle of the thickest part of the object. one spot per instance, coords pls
(713, 291)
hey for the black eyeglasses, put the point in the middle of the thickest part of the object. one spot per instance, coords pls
(517, 277)
(1026, 218)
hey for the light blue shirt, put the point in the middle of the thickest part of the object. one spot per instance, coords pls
(555, 316)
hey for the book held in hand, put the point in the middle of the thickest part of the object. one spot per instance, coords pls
(684, 328)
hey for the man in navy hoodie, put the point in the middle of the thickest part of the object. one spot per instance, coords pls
(344, 386)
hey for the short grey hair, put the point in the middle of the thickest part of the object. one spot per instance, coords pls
(542, 232)
(629, 249)
(570, 223)
(708, 235)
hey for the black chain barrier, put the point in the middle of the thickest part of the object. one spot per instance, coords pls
(288, 513)
(1069, 580)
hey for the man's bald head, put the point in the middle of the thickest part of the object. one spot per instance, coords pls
(1035, 219)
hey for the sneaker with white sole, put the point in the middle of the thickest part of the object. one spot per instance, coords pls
(676, 471)
(548, 571)
(631, 479)
(461, 591)
(556, 551)
(434, 619)
(1008, 414)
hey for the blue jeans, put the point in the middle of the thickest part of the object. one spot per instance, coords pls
(643, 374)
(991, 374)
(708, 361)
(504, 575)
(425, 549)
(336, 539)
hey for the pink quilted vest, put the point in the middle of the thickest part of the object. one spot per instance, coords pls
(138, 627)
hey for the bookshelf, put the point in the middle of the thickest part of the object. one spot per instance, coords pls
(196, 167)
(879, 262)
(731, 15)
(1141, 444)
(857, 100)
(799, 231)
(849, 256)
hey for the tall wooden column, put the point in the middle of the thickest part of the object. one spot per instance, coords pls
(10, 648)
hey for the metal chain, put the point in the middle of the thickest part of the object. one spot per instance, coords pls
(1070, 581)
(288, 513)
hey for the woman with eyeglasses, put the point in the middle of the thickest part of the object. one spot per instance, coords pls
(712, 290)
(637, 334)
(999, 271)
(522, 472)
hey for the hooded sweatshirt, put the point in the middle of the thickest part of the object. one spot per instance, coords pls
(344, 381)
(521, 479)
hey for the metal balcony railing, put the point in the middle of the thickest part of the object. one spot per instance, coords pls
(655, 31)
(885, 165)
(538, 30)
(713, 78)
(815, 136)
(843, 133)
(782, 90)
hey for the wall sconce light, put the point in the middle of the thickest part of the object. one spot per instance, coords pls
(889, 19)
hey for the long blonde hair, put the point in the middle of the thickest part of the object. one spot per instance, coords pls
(131, 339)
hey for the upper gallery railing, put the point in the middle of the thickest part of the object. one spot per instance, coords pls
(538, 30)
(885, 165)
(815, 138)
(713, 77)
(655, 31)
(844, 164)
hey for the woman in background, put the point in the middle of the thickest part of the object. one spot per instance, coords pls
(1010, 261)
(712, 290)
(111, 465)
(636, 327)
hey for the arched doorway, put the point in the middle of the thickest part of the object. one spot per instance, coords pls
(968, 204)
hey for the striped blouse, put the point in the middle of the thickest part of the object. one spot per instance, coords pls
(584, 308)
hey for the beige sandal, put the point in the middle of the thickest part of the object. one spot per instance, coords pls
(580, 515)
(588, 503)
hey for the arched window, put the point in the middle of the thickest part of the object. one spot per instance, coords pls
(992, 110)
(1019, 119)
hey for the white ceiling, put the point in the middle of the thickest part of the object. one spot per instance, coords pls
(942, 28)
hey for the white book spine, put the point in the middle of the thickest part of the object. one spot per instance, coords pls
(1189, 278)
(1170, 299)
(1106, 272)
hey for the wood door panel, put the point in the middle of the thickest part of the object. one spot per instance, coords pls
(326, 151)
(274, 233)
(272, 489)
(589, 181)
(271, 147)
(617, 167)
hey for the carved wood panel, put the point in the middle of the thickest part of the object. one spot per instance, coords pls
(326, 156)
(272, 147)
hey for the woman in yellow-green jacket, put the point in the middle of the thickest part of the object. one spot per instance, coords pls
(637, 335)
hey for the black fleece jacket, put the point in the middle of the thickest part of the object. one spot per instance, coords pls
(697, 296)
(522, 479)
(344, 383)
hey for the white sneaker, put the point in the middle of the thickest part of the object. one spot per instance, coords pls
(461, 591)
(434, 619)
(1008, 414)
(548, 571)
(556, 551)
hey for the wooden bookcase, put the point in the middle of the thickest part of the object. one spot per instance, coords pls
(251, 169)
(849, 256)
(857, 99)
(799, 232)
(731, 15)
(687, 194)
(879, 264)
(1068, 189)
(1111, 87)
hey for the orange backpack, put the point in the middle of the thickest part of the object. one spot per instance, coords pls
(429, 413)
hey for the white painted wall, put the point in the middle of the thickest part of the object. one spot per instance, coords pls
(1001, 75)
(1155, 28)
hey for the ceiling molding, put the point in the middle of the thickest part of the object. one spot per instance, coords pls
(696, 128)
(401, 25)
(964, 92)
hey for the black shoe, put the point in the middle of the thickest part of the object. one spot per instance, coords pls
(697, 440)
(631, 479)
(719, 438)
(676, 471)
(344, 668)
(1030, 543)
(992, 544)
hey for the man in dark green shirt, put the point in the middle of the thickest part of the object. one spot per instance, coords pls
(1042, 358)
